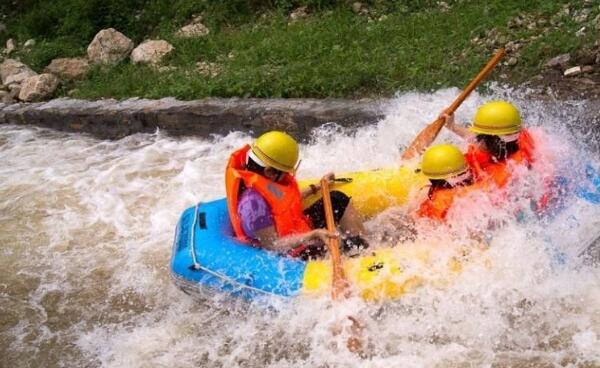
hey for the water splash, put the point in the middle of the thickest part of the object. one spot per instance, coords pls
(86, 229)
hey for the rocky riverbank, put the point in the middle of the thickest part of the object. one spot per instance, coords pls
(552, 51)
(112, 119)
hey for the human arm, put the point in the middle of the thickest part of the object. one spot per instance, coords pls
(315, 188)
(457, 129)
(269, 239)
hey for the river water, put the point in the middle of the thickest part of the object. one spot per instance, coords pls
(85, 238)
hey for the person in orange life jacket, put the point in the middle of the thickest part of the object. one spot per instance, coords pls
(265, 202)
(497, 138)
(450, 177)
(499, 144)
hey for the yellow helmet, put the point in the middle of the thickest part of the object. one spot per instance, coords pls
(277, 150)
(497, 118)
(443, 161)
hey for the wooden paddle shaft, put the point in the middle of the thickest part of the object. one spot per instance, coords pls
(339, 283)
(427, 135)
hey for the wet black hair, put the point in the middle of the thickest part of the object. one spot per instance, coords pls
(443, 184)
(251, 165)
(496, 146)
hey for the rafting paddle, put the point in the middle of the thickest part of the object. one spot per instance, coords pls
(430, 132)
(340, 288)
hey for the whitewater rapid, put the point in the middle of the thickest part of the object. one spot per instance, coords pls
(86, 228)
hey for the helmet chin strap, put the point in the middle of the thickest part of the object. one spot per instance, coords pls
(459, 178)
(297, 167)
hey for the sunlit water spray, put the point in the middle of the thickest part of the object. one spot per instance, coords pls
(86, 228)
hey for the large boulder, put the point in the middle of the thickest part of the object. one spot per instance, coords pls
(68, 68)
(559, 62)
(38, 87)
(14, 72)
(194, 29)
(109, 46)
(151, 52)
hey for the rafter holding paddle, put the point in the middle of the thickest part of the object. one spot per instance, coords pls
(430, 132)
(340, 287)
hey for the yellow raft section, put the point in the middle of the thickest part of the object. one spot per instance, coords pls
(375, 190)
(386, 273)
(390, 273)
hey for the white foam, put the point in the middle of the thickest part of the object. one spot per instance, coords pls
(86, 229)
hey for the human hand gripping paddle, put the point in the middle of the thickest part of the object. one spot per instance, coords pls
(430, 132)
(340, 288)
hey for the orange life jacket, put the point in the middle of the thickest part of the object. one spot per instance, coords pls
(440, 200)
(284, 198)
(483, 165)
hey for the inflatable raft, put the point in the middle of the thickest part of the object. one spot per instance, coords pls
(206, 254)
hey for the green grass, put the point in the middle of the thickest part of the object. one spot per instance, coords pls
(333, 53)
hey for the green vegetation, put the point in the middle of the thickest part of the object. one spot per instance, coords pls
(256, 52)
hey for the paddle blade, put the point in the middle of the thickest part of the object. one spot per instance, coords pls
(428, 135)
(423, 139)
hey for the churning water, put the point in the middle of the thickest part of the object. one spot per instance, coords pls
(85, 238)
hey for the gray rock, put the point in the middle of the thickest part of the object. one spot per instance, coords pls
(11, 46)
(7, 99)
(444, 7)
(194, 29)
(585, 56)
(572, 72)
(29, 43)
(515, 22)
(513, 46)
(297, 14)
(558, 62)
(68, 68)
(357, 7)
(151, 52)
(208, 69)
(582, 15)
(38, 87)
(109, 46)
(14, 90)
(14, 71)
(587, 69)
(512, 61)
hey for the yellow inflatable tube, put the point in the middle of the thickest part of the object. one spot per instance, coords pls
(375, 190)
(389, 273)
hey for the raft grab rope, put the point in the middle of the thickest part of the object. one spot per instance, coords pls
(196, 266)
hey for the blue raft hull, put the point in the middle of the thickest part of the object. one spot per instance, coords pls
(205, 253)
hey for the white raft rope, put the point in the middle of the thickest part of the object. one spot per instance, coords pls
(196, 266)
